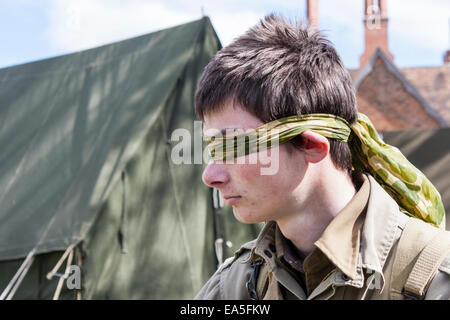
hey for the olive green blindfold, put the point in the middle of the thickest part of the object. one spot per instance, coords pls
(414, 193)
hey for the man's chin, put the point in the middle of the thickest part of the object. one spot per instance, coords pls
(245, 216)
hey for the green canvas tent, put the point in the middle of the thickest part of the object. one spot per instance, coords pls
(86, 170)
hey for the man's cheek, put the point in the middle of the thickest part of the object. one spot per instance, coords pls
(247, 172)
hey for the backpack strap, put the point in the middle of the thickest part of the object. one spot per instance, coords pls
(427, 264)
(421, 249)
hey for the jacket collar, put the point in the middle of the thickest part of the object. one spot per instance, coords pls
(340, 241)
(364, 241)
(379, 230)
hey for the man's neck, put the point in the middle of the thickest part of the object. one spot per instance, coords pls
(330, 193)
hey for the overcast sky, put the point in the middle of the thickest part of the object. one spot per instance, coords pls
(37, 29)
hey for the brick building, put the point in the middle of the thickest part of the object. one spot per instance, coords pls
(395, 98)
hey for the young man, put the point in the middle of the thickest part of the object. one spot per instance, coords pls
(331, 232)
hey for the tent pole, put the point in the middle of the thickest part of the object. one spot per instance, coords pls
(19, 281)
(78, 257)
(25, 266)
(214, 204)
(219, 232)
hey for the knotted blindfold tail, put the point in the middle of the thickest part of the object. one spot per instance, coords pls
(406, 184)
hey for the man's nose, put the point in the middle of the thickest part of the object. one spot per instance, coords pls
(215, 175)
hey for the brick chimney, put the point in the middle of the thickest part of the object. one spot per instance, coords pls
(375, 29)
(447, 57)
(312, 12)
(447, 54)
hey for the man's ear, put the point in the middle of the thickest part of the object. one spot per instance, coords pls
(315, 146)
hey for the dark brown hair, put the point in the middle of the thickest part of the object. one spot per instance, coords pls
(278, 69)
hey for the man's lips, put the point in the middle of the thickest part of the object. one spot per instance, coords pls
(231, 200)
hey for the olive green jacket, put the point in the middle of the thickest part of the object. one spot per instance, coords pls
(364, 273)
